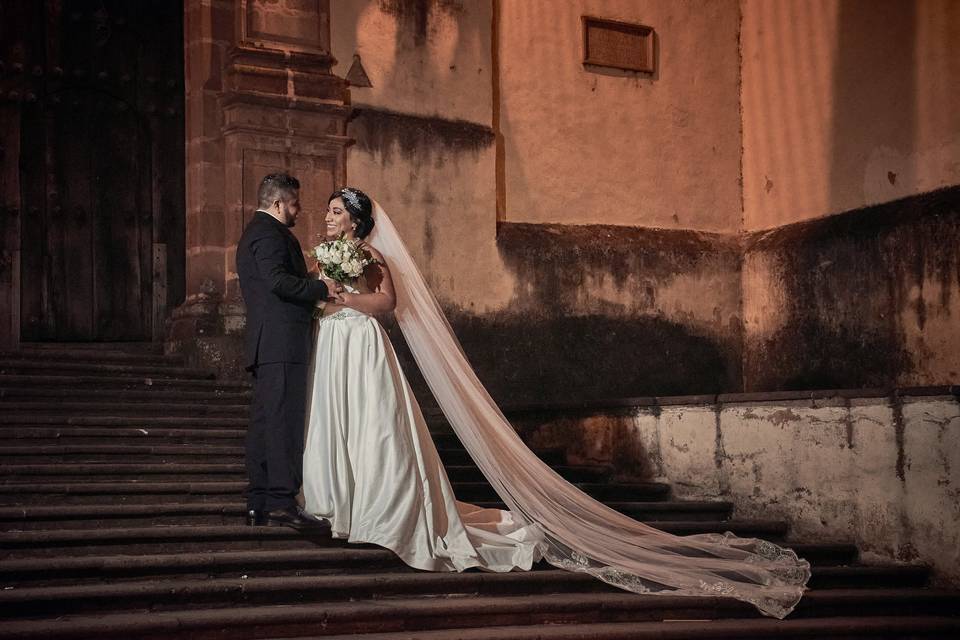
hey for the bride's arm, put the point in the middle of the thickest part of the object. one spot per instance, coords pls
(382, 298)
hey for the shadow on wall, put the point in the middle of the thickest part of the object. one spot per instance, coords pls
(379, 132)
(568, 359)
(561, 341)
(874, 73)
(414, 17)
(868, 297)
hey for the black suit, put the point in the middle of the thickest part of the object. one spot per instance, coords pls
(280, 298)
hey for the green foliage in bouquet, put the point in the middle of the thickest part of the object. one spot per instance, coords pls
(342, 259)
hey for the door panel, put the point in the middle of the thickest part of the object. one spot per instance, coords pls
(101, 135)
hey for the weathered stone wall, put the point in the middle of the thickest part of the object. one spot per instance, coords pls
(880, 471)
(850, 274)
(624, 262)
(869, 298)
(586, 145)
(625, 298)
(604, 311)
(555, 311)
(846, 103)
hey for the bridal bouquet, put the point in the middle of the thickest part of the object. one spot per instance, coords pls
(342, 259)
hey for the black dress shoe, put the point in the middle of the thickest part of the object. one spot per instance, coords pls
(256, 518)
(293, 517)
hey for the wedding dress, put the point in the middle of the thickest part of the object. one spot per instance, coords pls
(372, 469)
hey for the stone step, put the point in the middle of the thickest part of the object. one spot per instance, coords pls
(28, 366)
(91, 490)
(40, 435)
(903, 575)
(12, 420)
(69, 570)
(75, 396)
(833, 628)
(413, 616)
(42, 348)
(157, 539)
(134, 470)
(126, 436)
(248, 590)
(21, 454)
(73, 381)
(43, 436)
(205, 593)
(91, 356)
(140, 470)
(38, 517)
(125, 409)
(15, 422)
(345, 558)
(136, 491)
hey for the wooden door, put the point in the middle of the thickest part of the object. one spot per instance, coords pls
(101, 165)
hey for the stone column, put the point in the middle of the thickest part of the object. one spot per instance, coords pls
(260, 98)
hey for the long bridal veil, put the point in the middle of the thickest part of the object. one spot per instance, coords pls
(581, 533)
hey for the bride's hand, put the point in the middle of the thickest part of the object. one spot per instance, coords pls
(345, 298)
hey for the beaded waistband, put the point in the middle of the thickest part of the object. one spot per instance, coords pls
(341, 314)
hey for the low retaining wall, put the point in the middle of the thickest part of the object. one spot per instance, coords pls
(877, 468)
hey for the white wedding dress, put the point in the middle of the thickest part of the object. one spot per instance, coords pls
(372, 469)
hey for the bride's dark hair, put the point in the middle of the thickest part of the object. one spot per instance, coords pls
(359, 207)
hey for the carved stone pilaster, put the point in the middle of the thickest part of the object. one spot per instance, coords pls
(270, 104)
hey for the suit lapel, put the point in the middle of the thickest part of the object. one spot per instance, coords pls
(297, 253)
(293, 245)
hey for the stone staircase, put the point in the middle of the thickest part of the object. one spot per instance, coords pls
(121, 516)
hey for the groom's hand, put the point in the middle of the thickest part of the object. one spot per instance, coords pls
(334, 289)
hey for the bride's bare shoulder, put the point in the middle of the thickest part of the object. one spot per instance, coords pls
(366, 246)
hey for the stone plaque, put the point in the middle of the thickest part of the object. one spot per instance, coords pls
(620, 45)
(301, 25)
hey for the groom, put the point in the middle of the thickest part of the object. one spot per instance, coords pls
(280, 298)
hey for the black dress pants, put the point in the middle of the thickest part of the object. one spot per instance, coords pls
(274, 452)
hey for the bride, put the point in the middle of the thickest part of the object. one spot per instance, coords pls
(371, 468)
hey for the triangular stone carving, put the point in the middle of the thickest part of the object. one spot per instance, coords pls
(357, 76)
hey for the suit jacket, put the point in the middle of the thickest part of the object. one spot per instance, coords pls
(279, 295)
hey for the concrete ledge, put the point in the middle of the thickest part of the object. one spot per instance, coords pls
(879, 467)
(643, 402)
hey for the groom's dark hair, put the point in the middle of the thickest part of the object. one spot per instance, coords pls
(274, 187)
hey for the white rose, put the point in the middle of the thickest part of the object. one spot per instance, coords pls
(356, 268)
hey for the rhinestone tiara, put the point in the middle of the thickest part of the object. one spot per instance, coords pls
(352, 196)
